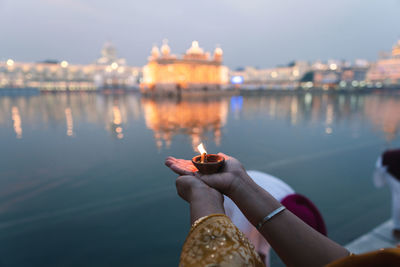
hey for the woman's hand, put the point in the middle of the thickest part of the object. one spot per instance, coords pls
(226, 181)
(181, 166)
(203, 199)
(191, 188)
(232, 176)
(310, 249)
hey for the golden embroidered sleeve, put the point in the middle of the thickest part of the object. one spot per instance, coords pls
(215, 241)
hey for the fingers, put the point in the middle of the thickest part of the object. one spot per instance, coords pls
(181, 187)
(175, 165)
(179, 170)
(185, 185)
(169, 161)
(180, 166)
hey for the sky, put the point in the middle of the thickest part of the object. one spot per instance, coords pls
(260, 33)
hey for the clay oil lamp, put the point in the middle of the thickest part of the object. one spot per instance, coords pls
(207, 163)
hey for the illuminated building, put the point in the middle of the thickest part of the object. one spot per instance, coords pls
(108, 72)
(287, 77)
(386, 72)
(192, 118)
(196, 70)
(328, 75)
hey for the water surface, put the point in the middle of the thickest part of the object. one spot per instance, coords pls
(82, 180)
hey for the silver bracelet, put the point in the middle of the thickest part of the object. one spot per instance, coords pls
(269, 216)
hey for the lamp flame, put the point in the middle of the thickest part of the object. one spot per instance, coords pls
(201, 149)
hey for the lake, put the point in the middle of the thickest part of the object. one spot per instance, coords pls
(82, 179)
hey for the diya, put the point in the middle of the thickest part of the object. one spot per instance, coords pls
(207, 163)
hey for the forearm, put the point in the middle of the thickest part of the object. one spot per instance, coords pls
(254, 202)
(296, 243)
(203, 204)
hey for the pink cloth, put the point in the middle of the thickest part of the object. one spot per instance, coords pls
(303, 208)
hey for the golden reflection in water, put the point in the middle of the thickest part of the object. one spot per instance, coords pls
(16, 121)
(192, 118)
(117, 122)
(70, 122)
(385, 118)
(196, 118)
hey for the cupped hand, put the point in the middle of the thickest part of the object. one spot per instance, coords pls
(181, 166)
(229, 178)
(224, 181)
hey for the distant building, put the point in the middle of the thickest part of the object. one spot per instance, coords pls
(113, 72)
(386, 72)
(288, 77)
(107, 72)
(196, 70)
(354, 76)
(333, 74)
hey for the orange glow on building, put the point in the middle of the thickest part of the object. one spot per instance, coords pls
(195, 70)
(386, 71)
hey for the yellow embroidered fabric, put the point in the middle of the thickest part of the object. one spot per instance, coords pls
(215, 241)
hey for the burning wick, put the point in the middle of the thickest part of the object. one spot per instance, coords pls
(207, 163)
(203, 153)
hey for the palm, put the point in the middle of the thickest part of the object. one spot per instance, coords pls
(181, 166)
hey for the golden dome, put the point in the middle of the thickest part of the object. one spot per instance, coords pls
(396, 50)
(218, 51)
(195, 49)
(165, 50)
(155, 52)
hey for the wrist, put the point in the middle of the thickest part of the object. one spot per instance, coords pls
(240, 183)
(253, 200)
(206, 202)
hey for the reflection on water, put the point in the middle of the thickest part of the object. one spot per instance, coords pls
(17, 122)
(116, 125)
(195, 118)
(383, 112)
(68, 110)
(384, 116)
(70, 122)
(192, 118)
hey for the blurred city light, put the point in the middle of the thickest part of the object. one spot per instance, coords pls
(10, 62)
(237, 79)
(64, 64)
